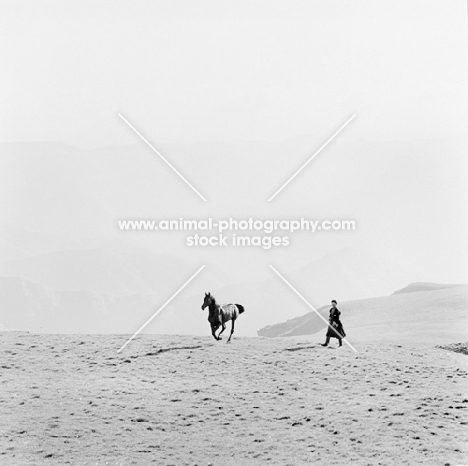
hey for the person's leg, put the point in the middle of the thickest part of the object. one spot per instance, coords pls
(339, 340)
(326, 341)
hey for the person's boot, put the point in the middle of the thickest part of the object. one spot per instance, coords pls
(326, 342)
(341, 344)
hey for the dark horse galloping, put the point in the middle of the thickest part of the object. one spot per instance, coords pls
(220, 314)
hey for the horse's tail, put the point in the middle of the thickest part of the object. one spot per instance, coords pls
(241, 308)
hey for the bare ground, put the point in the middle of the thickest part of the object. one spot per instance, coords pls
(181, 400)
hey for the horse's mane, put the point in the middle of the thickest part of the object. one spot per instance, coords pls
(213, 300)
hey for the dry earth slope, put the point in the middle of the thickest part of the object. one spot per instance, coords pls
(181, 400)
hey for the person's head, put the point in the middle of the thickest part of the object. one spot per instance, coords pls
(334, 303)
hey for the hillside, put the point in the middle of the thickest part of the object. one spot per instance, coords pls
(419, 317)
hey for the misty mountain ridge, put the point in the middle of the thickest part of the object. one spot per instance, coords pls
(69, 195)
(423, 286)
(140, 282)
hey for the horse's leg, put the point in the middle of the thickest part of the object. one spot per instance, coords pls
(232, 330)
(213, 331)
(222, 330)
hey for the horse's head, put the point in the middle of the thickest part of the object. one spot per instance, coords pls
(207, 301)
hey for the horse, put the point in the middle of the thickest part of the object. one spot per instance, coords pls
(218, 315)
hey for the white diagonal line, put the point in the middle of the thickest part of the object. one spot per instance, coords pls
(310, 160)
(310, 305)
(161, 156)
(162, 307)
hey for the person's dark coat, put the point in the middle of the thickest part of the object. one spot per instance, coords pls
(335, 322)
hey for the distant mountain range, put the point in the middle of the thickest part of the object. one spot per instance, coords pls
(350, 273)
(102, 271)
(419, 313)
(421, 286)
(98, 291)
(37, 308)
(53, 277)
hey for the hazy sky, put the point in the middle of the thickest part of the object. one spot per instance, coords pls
(206, 71)
(215, 70)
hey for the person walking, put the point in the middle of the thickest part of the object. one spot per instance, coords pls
(335, 327)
